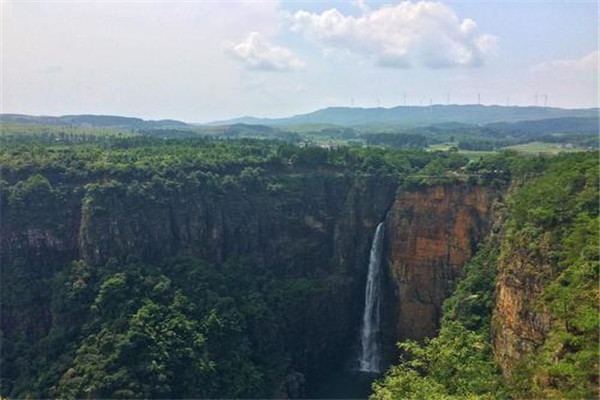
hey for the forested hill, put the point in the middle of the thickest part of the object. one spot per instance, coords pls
(419, 116)
(93, 120)
(401, 116)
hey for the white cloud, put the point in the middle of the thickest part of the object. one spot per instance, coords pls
(588, 62)
(257, 53)
(398, 36)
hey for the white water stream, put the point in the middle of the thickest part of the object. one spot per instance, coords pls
(369, 359)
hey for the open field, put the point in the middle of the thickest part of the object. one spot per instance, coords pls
(541, 147)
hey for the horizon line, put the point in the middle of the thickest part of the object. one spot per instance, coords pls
(299, 114)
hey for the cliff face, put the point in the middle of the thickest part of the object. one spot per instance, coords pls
(317, 226)
(431, 233)
(545, 319)
(519, 324)
(298, 229)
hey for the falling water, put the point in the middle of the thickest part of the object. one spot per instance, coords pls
(370, 351)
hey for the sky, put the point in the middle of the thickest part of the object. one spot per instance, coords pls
(200, 61)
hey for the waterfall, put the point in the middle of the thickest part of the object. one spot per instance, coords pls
(370, 348)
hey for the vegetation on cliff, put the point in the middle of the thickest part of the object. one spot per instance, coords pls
(552, 223)
(94, 305)
(140, 267)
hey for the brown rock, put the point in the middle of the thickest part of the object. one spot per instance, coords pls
(519, 325)
(432, 232)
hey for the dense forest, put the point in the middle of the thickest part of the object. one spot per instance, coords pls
(140, 266)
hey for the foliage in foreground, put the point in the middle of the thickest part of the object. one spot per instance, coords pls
(458, 363)
(180, 329)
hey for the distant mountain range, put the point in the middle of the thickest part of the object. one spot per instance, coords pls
(107, 121)
(417, 116)
(402, 116)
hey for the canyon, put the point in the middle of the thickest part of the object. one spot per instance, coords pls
(319, 226)
(339, 267)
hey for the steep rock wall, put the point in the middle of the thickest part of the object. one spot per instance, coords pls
(306, 225)
(317, 225)
(431, 233)
(519, 325)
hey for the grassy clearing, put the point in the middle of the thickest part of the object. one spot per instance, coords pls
(441, 146)
(535, 148)
(470, 154)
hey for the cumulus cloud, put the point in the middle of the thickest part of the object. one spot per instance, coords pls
(257, 53)
(401, 35)
(588, 62)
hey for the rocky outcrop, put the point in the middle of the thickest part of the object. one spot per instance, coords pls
(431, 233)
(519, 323)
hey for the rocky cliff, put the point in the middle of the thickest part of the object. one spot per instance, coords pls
(316, 226)
(520, 325)
(431, 233)
(545, 317)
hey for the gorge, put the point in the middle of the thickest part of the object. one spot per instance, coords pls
(266, 276)
(326, 238)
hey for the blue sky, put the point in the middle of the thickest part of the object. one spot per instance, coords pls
(202, 61)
